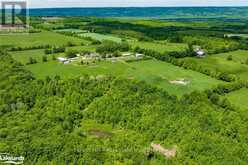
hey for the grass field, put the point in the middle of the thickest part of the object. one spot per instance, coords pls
(35, 39)
(71, 30)
(219, 62)
(239, 98)
(154, 72)
(239, 56)
(23, 56)
(101, 37)
(160, 47)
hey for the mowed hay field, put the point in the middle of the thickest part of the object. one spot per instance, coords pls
(219, 62)
(239, 98)
(159, 47)
(154, 72)
(36, 39)
(101, 37)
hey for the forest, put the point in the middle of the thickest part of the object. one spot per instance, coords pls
(43, 120)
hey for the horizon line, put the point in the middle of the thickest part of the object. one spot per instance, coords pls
(60, 7)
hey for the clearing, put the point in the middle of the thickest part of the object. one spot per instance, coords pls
(160, 47)
(101, 37)
(239, 98)
(220, 63)
(154, 72)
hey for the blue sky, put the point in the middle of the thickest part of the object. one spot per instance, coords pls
(131, 3)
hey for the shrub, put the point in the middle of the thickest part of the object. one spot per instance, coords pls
(44, 59)
(230, 58)
(71, 53)
(31, 61)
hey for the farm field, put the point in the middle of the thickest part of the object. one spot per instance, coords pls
(151, 71)
(71, 30)
(36, 39)
(160, 47)
(219, 62)
(239, 98)
(23, 56)
(101, 37)
(239, 56)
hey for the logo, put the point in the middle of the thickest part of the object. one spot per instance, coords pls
(14, 15)
(6, 158)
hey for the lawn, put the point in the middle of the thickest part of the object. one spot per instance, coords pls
(220, 63)
(101, 37)
(239, 98)
(35, 39)
(160, 47)
(154, 72)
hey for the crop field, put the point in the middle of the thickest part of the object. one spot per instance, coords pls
(239, 98)
(151, 71)
(160, 47)
(101, 37)
(219, 62)
(36, 39)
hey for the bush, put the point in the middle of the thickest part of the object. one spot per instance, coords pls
(44, 59)
(71, 53)
(31, 61)
(70, 44)
(230, 58)
(110, 47)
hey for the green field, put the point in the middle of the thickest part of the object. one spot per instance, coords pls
(71, 30)
(36, 39)
(239, 56)
(160, 47)
(151, 71)
(239, 98)
(23, 56)
(220, 63)
(101, 37)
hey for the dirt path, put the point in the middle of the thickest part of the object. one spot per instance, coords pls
(168, 153)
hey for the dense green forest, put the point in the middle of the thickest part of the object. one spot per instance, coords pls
(46, 122)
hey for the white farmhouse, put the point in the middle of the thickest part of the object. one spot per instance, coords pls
(63, 60)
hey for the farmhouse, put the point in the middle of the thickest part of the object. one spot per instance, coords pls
(138, 55)
(199, 52)
(63, 60)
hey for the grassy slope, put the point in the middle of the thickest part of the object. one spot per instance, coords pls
(152, 71)
(35, 39)
(239, 98)
(220, 63)
(166, 47)
(101, 37)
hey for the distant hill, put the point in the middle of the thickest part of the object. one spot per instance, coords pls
(159, 12)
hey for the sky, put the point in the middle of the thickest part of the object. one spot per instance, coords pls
(131, 3)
